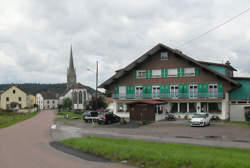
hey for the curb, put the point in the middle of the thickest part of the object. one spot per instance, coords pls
(78, 153)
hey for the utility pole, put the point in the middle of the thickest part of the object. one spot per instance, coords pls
(96, 102)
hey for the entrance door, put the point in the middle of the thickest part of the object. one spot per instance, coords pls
(155, 92)
(142, 112)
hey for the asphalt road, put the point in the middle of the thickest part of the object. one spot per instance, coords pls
(26, 145)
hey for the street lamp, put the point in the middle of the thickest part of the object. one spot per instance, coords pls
(96, 79)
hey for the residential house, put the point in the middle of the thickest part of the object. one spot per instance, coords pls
(166, 80)
(16, 98)
(47, 100)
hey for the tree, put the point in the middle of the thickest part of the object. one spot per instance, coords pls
(98, 103)
(67, 103)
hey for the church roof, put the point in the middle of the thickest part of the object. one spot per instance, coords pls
(78, 86)
(49, 95)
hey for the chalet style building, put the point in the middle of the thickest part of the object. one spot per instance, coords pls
(164, 80)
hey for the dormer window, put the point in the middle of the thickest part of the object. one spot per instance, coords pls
(164, 55)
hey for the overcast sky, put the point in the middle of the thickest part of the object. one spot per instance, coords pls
(35, 35)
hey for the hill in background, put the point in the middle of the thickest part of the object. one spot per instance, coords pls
(34, 88)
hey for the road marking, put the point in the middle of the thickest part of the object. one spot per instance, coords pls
(53, 126)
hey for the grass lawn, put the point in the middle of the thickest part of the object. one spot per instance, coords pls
(162, 155)
(13, 118)
(62, 113)
(243, 123)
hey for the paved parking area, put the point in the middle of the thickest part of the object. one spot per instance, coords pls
(217, 134)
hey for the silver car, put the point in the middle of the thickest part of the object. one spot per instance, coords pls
(202, 120)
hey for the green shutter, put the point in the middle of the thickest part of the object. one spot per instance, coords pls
(162, 89)
(147, 90)
(196, 71)
(167, 88)
(182, 72)
(205, 87)
(134, 74)
(220, 88)
(179, 72)
(180, 88)
(185, 89)
(116, 90)
(166, 73)
(162, 73)
(132, 90)
(150, 73)
(127, 90)
(144, 89)
(200, 86)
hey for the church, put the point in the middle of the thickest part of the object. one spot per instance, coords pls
(75, 91)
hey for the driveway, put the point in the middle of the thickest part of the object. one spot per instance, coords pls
(218, 134)
(26, 145)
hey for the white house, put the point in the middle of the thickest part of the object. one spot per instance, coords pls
(47, 100)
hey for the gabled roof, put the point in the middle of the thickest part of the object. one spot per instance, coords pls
(122, 72)
(14, 85)
(49, 95)
(78, 86)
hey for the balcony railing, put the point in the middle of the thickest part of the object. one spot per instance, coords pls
(173, 95)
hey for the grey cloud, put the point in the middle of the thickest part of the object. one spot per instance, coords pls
(115, 32)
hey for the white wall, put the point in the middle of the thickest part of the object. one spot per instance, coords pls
(237, 112)
(69, 95)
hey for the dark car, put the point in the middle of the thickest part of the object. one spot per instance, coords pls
(107, 118)
(90, 116)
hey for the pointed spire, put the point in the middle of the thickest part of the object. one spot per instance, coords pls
(71, 63)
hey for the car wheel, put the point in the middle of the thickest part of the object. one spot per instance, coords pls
(86, 121)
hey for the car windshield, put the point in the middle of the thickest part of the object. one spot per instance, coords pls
(199, 116)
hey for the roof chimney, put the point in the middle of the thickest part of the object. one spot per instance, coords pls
(228, 63)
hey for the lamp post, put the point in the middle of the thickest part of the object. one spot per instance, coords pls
(96, 82)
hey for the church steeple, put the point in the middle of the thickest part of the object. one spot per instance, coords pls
(71, 62)
(71, 73)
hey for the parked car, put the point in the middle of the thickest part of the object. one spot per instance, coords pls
(202, 119)
(90, 116)
(107, 118)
